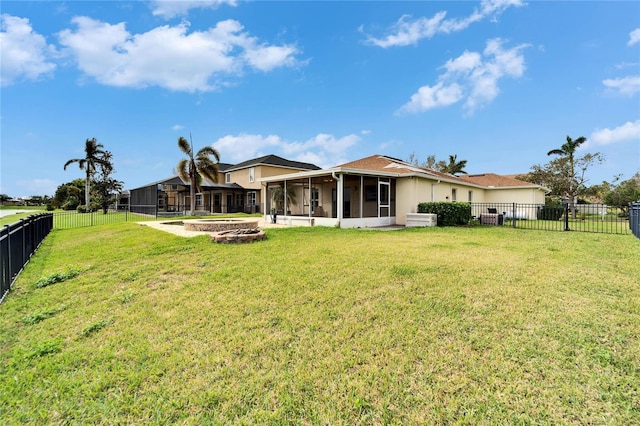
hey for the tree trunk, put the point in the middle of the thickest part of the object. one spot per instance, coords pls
(87, 188)
(193, 195)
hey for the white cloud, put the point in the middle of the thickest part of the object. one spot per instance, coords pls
(25, 53)
(625, 85)
(407, 31)
(170, 56)
(428, 97)
(634, 37)
(172, 8)
(177, 127)
(627, 132)
(473, 76)
(266, 58)
(324, 150)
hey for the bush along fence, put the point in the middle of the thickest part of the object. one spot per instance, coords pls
(598, 218)
(634, 219)
(18, 242)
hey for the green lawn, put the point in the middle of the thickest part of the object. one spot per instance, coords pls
(124, 324)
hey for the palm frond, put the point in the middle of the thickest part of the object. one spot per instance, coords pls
(207, 168)
(183, 170)
(80, 161)
(185, 146)
(209, 151)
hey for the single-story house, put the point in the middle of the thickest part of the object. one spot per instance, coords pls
(238, 188)
(381, 190)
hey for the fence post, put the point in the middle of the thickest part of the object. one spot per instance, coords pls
(513, 216)
(634, 218)
(566, 217)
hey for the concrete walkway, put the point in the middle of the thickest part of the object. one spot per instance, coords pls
(180, 231)
(262, 224)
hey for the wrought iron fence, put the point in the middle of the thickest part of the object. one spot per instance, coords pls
(74, 219)
(598, 218)
(18, 241)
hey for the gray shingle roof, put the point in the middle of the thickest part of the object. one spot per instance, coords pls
(273, 160)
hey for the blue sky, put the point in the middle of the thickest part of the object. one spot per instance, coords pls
(498, 83)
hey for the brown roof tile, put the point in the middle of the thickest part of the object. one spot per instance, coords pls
(492, 179)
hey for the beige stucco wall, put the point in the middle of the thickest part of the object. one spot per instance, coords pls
(514, 195)
(241, 177)
(413, 191)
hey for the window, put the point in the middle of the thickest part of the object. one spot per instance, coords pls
(454, 194)
(227, 177)
(251, 198)
(239, 199)
(252, 174)
(470, 196)
(198, 199)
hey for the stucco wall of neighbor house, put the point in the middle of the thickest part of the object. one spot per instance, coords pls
(514, 195)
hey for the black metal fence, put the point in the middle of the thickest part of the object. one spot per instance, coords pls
(73, 219)
(634, 219)
(598, 218)
(18, 242)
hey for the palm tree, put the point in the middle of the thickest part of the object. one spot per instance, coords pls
(455, 167)
(93, 156)
(278, 197)
(193, 168)
(567, 150)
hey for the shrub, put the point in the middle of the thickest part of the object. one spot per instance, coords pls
(71, 204)
(449, 214)
(50, 207)
(82, 209)
(551, 212)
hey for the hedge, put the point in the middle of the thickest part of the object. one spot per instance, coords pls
(449, 214)
(550, 212)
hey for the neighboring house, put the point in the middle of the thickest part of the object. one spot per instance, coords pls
(238, 188)
(381, 190)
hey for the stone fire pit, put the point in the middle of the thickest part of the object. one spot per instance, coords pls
(239, 236)
(218, 225)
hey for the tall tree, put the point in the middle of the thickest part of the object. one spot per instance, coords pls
(429, 163)
(105, 185)
(69, 195)
(454, 166)
(568, 150)
(194, 167)
(555, 175)
(624, 193)
(93, 156)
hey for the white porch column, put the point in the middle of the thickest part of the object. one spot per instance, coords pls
(340, 201)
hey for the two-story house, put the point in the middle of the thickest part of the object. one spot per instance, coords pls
(238, 188)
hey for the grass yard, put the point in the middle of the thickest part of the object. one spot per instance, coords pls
(124, 324)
